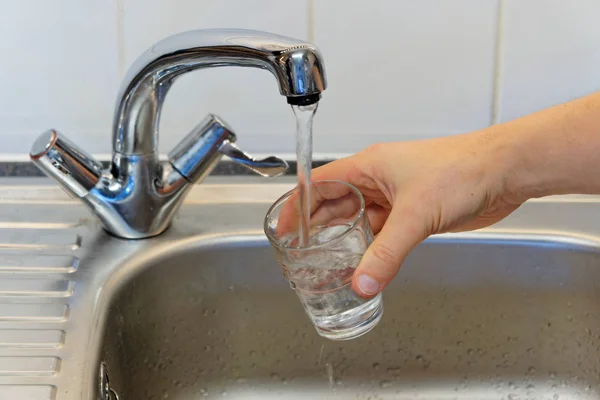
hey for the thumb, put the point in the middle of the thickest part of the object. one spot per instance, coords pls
(380, 263)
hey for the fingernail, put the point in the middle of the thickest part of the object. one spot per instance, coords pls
(367, 285)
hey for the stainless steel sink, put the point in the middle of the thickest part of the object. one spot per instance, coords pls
(488, 316)
(510, 312)
(473, 318)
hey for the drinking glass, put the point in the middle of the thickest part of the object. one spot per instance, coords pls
(321, 271)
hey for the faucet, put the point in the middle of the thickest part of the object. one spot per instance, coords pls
(137, 196)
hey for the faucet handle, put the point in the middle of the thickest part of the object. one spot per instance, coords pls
(198, 153)
(269, 167)
(76, 171)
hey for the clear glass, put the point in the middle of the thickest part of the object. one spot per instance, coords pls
(321, 273)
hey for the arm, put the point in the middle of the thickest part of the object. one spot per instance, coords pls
(554, 151)
(464, 182)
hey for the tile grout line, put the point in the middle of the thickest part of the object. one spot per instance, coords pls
(121, 37)
(497, 67)
(310, 20)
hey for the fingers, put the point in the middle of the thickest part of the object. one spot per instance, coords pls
(377, 216)
(402, 231)
(344, 207)
(327, 200)
(344, 169)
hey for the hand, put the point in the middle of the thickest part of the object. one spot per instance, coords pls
(416, 189)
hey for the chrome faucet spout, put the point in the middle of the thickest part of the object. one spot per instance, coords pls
(296, 65)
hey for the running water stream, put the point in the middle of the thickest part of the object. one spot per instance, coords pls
(304, 121)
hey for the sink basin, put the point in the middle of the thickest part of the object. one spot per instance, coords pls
(202, 311)
(480, 316)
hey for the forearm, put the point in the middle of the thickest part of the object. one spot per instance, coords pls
(554, 151)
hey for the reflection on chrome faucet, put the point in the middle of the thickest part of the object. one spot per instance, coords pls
(138, 195)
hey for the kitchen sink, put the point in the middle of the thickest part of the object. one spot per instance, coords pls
(203, 311)
(478, 316)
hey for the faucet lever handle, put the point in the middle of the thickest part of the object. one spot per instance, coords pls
(268, 167)
(198, 153)
(75, 171)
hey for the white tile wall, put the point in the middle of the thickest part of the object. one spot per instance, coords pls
(59, 68)
(403, 69)
(550, 54)
(397, 69)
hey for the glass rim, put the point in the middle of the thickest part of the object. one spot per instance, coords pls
(273, 240)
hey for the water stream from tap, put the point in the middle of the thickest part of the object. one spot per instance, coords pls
(304, 122)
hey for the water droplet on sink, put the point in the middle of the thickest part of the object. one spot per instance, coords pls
(376, 366)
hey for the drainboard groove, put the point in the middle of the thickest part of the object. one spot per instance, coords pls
(41, 392)
(19, 339)
(29, 366)
(33, 312)
(36, 288)
(39, 239)
(26, 263)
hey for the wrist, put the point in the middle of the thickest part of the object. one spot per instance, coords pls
(513, 174)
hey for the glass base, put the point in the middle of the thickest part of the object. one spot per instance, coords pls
(352, 323)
